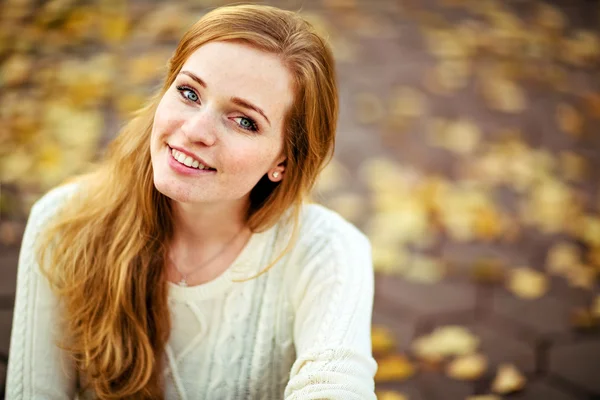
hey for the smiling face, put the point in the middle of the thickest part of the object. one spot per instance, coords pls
(224, 111)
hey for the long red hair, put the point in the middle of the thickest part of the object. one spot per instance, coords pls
(104, 252)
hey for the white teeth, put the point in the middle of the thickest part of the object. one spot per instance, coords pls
(187, 160)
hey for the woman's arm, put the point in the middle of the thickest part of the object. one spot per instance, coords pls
(333, 300)
(37, 368)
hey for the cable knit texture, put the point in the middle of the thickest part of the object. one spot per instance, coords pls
(299, 331)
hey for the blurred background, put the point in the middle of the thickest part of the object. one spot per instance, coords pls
(468, 150)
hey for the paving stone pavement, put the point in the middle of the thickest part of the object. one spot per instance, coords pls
(559, 363)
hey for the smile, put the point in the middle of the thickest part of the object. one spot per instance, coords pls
(188, 161)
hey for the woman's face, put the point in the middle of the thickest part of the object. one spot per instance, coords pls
(225, 111)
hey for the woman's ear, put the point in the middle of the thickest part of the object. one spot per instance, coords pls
(276, 173)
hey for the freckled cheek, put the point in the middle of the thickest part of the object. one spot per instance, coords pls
(166, 122)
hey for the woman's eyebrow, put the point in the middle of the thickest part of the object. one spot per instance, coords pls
(236, 100)
(194, 77)
(247, 104)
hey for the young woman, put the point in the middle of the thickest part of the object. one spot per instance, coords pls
(188, 265)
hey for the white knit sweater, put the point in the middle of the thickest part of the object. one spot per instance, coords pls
(299, 331)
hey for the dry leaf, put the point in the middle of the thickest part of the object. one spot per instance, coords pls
(394, 368)
(389, 258)
(445, 341)
(16, 165)
(166, 22)
(582, 276)
(502, 94)
(382, 340)
(489, 271)
(569, 120)
(584, 320)
(508, 380)
(468, 367)
(592, 101)
(582, 49)
(549, 206)
(390, 395)
(15, 70)
(562, 257)
(445, 44)
(114, 25)
(550, 17)
(574, 167)
(590, 230)
(427, 270)
(129, 102)
(527, 283)
(462, 137)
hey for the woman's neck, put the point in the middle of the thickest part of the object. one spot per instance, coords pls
(202, 226)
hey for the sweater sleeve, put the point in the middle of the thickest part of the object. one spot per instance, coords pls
(37, 367)
(333, 301)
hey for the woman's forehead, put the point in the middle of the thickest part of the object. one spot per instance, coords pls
(239, 70)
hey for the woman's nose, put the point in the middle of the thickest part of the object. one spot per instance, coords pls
(200, 126)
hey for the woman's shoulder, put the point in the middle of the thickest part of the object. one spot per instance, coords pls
(50, 202)
(320, 224)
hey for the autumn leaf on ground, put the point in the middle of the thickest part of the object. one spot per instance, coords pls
(390, 395)
(508, 379)
(527, 283)
(484, 397)
(569, 119)
(592, 101)
(561, 257)
(582, 276)
(503, 94)
(488, 271)
(445, 341)
(584, 319)
(427, 270)
(382, 340)
(394, 368)
(550, 17)
(389, 258)
(468, 367)
(15, 70)
(573, 166)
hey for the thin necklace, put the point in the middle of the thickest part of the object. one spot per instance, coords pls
(184, 277)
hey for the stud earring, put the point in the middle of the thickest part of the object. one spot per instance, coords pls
(275, 174)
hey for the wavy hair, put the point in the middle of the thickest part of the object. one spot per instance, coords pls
(104, 252)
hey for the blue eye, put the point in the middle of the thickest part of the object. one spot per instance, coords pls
(188, 93)
(247, 123)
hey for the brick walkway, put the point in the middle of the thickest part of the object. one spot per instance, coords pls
(383, 49)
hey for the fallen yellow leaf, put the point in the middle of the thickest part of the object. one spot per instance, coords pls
(527, 283)
(569, 119)
(390, 395)
(394, 368)
(468, 367)
(508, 379)
(382, 340)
